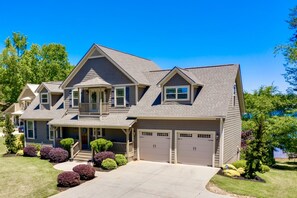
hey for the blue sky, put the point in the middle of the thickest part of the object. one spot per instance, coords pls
(171, 33)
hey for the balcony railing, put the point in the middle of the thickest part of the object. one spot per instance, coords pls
(93, 108)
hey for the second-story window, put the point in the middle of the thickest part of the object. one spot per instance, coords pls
(75, 98)
(120, 96)
(44, 98)
(177, 93)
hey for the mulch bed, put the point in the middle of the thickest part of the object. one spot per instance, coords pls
(257, 178)
(9, 155)
(61, 188)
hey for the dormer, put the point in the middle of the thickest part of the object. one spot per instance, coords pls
(179, 86)
(49, 94)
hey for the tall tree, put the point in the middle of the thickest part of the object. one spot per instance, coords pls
(20, 65)
(268, 118)
(289, 51)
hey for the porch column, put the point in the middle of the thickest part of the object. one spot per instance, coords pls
(133, 140)
(79, 137)
(55, 131)
(61, 132)
(127, 132)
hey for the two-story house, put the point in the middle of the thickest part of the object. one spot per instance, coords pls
(189, 115)
(25, 98)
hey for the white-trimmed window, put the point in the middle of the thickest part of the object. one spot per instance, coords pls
(99, 134)
(75, 98)
(30, 129)
(51, 133)
(234, 94)
(120, 96)
(44, 98)
(180, 93)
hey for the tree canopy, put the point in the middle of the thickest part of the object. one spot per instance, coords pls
(20, 64)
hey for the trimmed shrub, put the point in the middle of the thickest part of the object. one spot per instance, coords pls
(231, 173)
(30, 151)
(265, 169)
(109, 164)
(99, 157)
(20, 153)
(19, 142)
(240, 164)
(44, 152)
(229, 166)
(68, 179)
(37, 146)
(100, 145)
(121, 159)
(241, 171)
(58, 155)
(66, 143)
(85, 171)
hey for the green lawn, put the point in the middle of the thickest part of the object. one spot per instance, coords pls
(26, 177)
(279, 183)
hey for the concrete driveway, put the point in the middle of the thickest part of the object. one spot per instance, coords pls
(147, 179)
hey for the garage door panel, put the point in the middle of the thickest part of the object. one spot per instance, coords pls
(154, 146)
(195, 148)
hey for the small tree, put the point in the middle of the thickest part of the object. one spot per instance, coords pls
(9, 137)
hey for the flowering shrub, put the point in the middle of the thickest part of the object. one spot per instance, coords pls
(99, 157)
(44, 152)
(86, 172)
(30, 151)
(58, 155)
(68, 179)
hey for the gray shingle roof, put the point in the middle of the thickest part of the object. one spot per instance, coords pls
(34, 113)
(53, 86)
(110, 121)
(94, 82)
(212, 100)
(133, 65)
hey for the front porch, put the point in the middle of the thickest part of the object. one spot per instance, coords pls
(122, 139)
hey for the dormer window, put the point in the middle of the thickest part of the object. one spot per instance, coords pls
(44, 98)
(177, 93)
(75, 98)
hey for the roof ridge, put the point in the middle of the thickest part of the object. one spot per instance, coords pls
(99, 45)
(195, 67)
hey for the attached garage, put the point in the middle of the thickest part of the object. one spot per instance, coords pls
(154, 145)
(196, 148)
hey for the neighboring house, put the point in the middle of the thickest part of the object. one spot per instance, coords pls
(24, 100)
(190, 116)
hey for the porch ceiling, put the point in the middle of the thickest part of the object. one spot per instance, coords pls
(119, 121)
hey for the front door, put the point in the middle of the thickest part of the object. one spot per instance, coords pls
(94, 101)
(84, 138)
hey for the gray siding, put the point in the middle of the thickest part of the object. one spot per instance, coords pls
(191, 125)
(41, 134)
(55, 98)
(232, 132)
(70, 132)
(101, 67)
(45, 106)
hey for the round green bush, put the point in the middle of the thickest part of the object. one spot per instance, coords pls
(265, 169)
(240, 164)
(100, 145)
(66, 143)
(120, 159)
(109, 164)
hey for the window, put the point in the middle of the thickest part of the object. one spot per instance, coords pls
(30, 129)
(147, 133)
(177, 93)
(234, 94)
(162, 134)
(75, 98)
(185, 135)
(98, 132)
(120, 96)
(44, 98)
(51, 133)
(203, 135)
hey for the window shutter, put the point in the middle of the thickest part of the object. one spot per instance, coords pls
(25, 129)
(35, 131)
(70, 98)
(127, 96)
(47, 130)
(112, 97)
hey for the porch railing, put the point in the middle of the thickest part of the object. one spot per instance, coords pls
(75, 148)
(93, 108)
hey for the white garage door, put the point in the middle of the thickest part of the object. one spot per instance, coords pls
(195, 148)
(154, 146)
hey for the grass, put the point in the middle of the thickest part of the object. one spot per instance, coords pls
(26, 177)
(279, 183)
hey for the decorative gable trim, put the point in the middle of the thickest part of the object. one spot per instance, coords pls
(87, 56)
(23, 91)
(40, 87)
